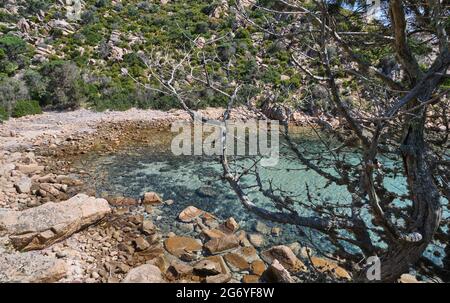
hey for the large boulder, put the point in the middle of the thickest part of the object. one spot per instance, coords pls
(31, 267)
(146, 273)
(40, 227)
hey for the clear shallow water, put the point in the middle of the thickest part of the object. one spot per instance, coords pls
(196, 180)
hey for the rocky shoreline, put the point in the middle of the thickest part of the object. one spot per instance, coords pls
(54, 229)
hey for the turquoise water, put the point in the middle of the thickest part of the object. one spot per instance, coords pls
(196, 180)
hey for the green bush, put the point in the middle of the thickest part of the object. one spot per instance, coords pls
(3, 114)
(25, 108)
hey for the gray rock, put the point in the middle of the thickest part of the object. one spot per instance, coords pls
(41, 226)
(23, 186)
(146, 273)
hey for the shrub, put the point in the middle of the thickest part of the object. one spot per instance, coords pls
(12, 46)
(3, 114)
(26, 107)
(64, 85)
(11, 91)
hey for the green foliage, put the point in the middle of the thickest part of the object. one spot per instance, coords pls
(3, 114)
(11, 91)
(25, 108)
(64, 89)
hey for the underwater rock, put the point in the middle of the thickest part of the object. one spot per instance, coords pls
(327, 266)
(256, 240)
(276, 273)
(219, 245)
(206, 192)
(236, 262)
(189, 214)
(178, 246)
(250, 279)
(231, 224)
(151, 198)
(285, 256)
(220, 278)
(258, 267)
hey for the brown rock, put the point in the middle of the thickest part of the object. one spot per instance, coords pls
(213, 233)
(207, 268)
(148, 227)
(151, 198)
(218, 245)
(256, 240)
(179, 270)
(121, 201)
(178, 246)
(141, 244)
(219, 260)
(220, 278)
(250, 279)
(276, 273)
(189, 214)
(408, 279)
(231, 224)
(258, 267)
(324, 265)
(285, 256)
(236, 262)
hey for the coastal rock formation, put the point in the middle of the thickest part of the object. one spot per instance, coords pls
(39, 227)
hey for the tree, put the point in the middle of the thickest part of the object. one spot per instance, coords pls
(398, 119)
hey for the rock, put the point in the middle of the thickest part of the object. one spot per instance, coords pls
(213, 233)
(296, 248)
(218, 245)
(27, 169)
(248, 253)
(231, 224)
(250, 279)
(306, 252)
(207, 268)
(169, 202)
(151, 198)
(324, 265)
(285, 256)
(179, 270)
(146, 273)
(31, 267)
(187, 228)
(276, 231)
(121, 201)
(178, 246)
(39, 227)
(258, 267)
(206, 192)
(276, 273)
(148, 227)
(189, 214)
(141, 244)
(219, 260)
(220, 278)
(408, 279)
(23, 186)
(262, 228)
(256, 240)
(236, 262)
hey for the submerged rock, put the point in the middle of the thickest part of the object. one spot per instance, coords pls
(207, 268)
(189, 214)
(39, 227)
(276, 273)
(151, 198)
(285, 256)
(327, 266)
(146, 273)
(178, 246)
(218, 245)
